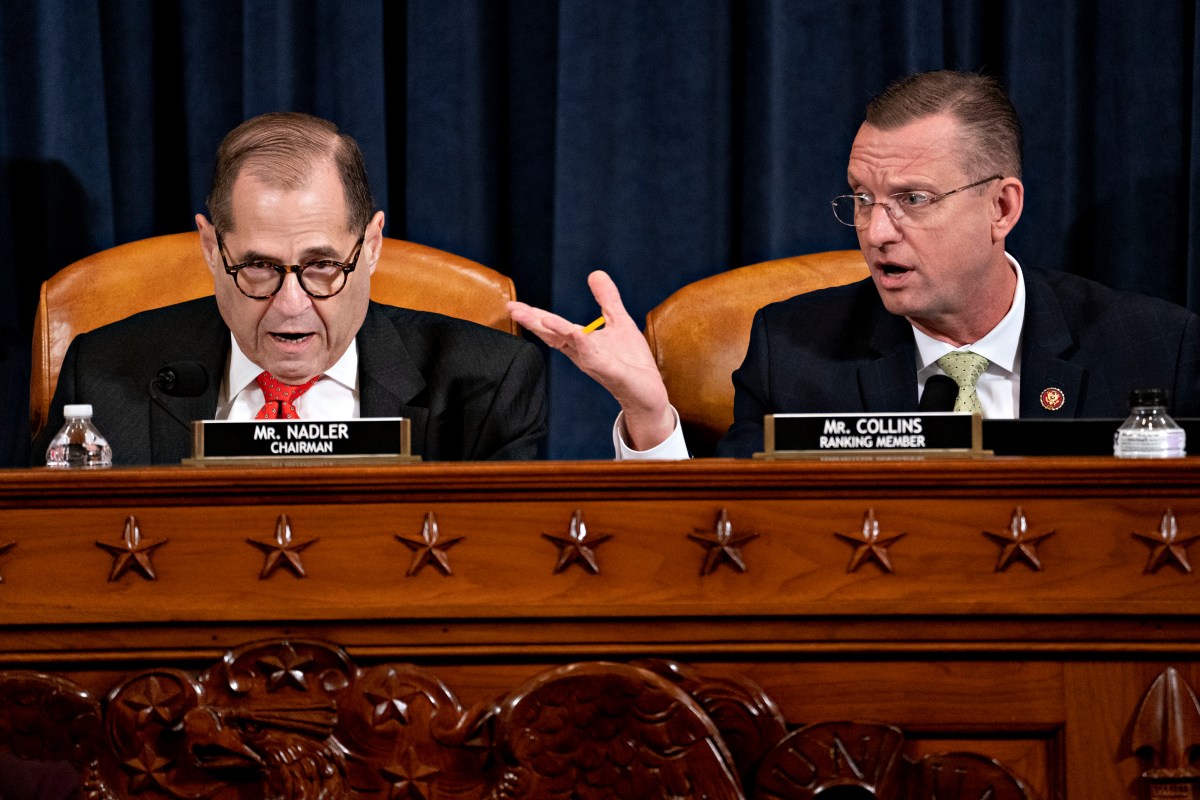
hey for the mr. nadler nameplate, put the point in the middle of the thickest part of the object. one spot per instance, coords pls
(831, 434)
(276, 439)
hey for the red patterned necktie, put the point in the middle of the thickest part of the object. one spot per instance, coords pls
(280, 396)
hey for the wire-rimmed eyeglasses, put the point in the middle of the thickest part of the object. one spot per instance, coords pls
(903, 207)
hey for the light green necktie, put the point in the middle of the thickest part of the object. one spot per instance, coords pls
(964, 368)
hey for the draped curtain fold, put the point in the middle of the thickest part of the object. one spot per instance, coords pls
(661, 141)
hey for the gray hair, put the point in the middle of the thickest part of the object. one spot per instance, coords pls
(282, 149)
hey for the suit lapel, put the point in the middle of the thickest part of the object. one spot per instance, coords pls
(207, 343)
(388, 377)
(1045, 338)
(888, 381)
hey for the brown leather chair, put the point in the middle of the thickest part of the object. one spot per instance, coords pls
(162, 270)
(700, 333)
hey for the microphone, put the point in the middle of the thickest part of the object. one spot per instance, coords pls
(940, 393)
(182, 379)
(179, 379)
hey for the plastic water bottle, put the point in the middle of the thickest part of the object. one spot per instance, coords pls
(78, 443)
(1149, 432)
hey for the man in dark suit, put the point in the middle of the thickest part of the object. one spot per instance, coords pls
(291, 331)
(935, 189)
(1083, 348)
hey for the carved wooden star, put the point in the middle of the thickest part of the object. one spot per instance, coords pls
(722, 544)
(577, 546)
(286, 669)
(147, 770)
(389, 696)
(868, 546)
(409, 777)
(1018, 542)
(155, 701)
(4, 548)
(430, 548)
(1166, 545)
(282, 552)
(131, 553)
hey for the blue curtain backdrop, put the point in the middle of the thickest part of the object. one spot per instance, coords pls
(663, 140)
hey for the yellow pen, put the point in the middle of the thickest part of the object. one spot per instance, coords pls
(594, 324)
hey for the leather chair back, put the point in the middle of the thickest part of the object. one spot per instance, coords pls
(700, 333)
(119, 282)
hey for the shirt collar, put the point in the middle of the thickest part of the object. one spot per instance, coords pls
(1000, 346)
(243, 371)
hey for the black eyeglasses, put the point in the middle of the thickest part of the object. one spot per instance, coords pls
(262, 280)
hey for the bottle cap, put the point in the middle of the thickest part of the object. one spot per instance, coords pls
(1147, 397)
(77, 410)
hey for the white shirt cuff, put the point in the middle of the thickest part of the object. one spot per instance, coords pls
(673, 448)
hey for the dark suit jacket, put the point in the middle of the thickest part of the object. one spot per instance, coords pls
(839, 350)
(472, 393)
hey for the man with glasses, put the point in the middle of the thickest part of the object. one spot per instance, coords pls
(291, 332)
(935, 189)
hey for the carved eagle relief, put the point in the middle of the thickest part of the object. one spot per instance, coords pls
(600, 731)
(297, 720)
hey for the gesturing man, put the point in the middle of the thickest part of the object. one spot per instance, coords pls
(292, 244)
(935, 190)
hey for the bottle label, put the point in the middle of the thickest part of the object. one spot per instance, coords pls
(1142, 443)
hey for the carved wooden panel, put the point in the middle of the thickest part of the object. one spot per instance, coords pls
(822, 758)
(1031, 649)
(51, 741)
(298, 720)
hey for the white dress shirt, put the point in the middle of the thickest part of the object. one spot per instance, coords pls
(999, 387)
(335, 396)
(673, 448)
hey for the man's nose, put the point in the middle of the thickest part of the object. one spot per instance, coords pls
(881, 227)
(291, 297)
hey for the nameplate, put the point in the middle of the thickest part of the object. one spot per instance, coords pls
(301, 441)
(881, 435)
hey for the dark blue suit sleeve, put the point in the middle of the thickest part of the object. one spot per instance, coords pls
(514, 425)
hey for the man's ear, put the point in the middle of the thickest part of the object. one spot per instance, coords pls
(208, 245)
(1006, 208)
(373, 241)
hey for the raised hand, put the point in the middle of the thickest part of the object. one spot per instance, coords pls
(616, 356)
